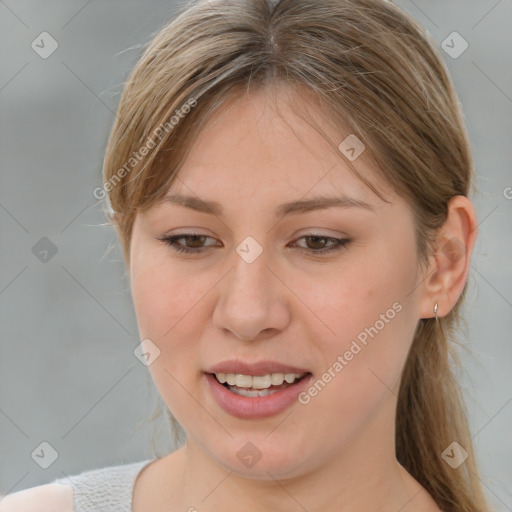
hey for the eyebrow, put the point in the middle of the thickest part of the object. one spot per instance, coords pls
(293, 207)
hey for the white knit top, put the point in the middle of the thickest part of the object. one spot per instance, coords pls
(108, 489)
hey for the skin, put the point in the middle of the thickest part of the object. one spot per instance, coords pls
(337, 452)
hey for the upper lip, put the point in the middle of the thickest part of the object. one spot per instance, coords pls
(256, 369)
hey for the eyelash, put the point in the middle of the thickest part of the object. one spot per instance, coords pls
(339, 243)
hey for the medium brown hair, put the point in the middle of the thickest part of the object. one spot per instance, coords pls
(376, 71)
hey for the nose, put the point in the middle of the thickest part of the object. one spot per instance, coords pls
(252, 301)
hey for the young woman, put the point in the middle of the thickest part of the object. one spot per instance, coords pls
(289, 181)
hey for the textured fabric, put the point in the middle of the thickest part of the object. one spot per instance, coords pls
(107, 489)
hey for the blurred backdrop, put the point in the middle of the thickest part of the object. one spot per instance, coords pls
(70, 384)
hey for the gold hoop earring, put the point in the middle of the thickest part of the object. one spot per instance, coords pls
(435, 310)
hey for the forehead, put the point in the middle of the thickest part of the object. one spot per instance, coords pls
(258, 148)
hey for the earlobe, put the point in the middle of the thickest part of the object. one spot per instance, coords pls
(447, 275)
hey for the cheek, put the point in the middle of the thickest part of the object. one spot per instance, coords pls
(368, 292)
(165, 303)
(371, 315)
(164, 297)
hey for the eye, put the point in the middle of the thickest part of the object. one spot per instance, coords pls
(319, 243)
(320, 246)
(196, 239)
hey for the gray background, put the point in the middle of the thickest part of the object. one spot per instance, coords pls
(68, 375)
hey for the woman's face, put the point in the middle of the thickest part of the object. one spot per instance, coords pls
(255, 290)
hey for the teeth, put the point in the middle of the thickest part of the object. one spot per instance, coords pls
(257, 382)
(253, 393)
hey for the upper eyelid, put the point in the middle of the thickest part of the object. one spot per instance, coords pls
(308, 232)
(177, 236)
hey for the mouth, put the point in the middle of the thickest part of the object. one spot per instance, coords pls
(257, 389)
(253, 386)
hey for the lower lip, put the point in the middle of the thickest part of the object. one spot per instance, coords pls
(255, 407)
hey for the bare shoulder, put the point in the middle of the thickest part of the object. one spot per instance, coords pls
(42, 498)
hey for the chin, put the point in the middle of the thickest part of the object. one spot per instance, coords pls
(258, 458)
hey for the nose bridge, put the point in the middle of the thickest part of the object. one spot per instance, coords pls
(248, 301)
(249, 279)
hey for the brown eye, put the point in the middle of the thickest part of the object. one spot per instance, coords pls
(196, 240)
(196, 245)
(318, 244)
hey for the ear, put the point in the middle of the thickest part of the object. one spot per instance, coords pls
(448, 269)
